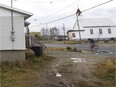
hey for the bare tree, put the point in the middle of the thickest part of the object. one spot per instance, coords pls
(54, 31)
(43, 31)
(47, 32)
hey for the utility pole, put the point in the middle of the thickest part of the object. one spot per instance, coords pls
(78, 25)
(47, 32)
(64, 32)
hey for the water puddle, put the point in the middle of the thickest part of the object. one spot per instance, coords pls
(77, 60)
(104, 51)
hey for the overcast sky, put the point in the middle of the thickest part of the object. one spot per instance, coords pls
(45, 11)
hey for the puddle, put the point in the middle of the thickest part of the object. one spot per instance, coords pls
(77, 60)
(58, 75)
(104, 51)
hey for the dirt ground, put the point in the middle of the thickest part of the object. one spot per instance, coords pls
(71, 69)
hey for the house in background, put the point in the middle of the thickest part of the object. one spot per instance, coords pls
(97, 28)
(12, 36)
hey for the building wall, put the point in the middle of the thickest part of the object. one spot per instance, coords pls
(86, 34)
(96, 33)
(95, 23)
(12, 55)
(5, 31)
(11, 51)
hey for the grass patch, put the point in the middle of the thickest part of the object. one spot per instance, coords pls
(106, 70)
(68, 48)
(55, 49)
(22, 74)
(83, 83)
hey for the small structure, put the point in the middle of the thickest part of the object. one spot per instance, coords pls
(97, 28)
(12, 36)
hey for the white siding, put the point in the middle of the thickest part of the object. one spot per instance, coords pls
(86, 34)
(95, 24)
(5, 31)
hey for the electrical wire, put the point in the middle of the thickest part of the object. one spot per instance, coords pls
(92, 8)
(97, 5)
(60, 10)
(73, 14)
(43, 1)
(54, 20)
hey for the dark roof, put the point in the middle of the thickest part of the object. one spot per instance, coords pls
(26, 23)
(74, 31)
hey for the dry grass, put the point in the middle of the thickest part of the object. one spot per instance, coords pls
(84, 83)
(29, 53)
(55, 49)
(72, 42)
(22, 74)
(68, 48)
(106, 70)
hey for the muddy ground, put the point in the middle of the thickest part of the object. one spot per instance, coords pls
(71, 69)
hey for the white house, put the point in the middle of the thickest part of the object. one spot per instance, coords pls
(12, 36)
(97, 28)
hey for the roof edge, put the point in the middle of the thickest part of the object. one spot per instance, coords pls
(16, 10)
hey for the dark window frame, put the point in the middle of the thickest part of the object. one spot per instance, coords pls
(91, 31)
(109, 31)
(100, 31)
(73, 35)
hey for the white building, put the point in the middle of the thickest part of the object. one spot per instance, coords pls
(12, 36)
(97, 28)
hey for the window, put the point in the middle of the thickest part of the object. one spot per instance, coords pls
(109, 31)
(100, 31)
(73, 34)
(91, 31)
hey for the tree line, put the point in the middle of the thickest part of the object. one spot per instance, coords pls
(54, 31)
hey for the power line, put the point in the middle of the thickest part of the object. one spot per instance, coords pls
(60, 10)
(43, 1)
(73, 14)
(93, 7)
(54, 20)
(97, 5)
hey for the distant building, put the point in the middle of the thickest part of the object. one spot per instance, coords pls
(97, 28)
(12, 36)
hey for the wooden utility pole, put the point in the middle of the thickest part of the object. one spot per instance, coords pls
(78, 28)
(47, 32)
(78, 25)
